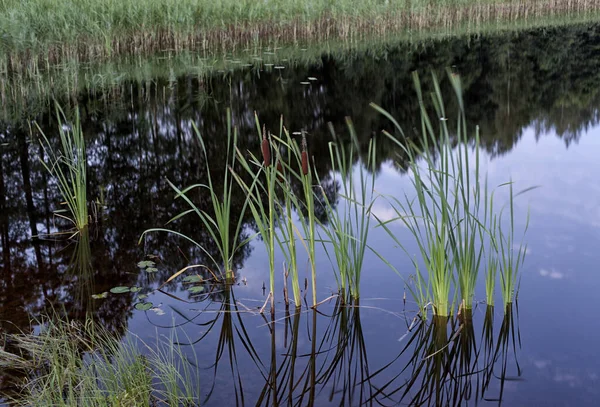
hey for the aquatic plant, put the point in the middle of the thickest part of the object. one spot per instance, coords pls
(219, 223)
(74, 364)
(299, 170)
(452, 216)
(429, 217)
(348, 225)
(259, 190)
(68, 165)
(510, 256)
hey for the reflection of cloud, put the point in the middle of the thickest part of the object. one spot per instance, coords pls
(541, 364)
(570, 379)
(385, 213)
(552, 274)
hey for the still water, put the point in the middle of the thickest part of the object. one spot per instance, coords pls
(535, 96)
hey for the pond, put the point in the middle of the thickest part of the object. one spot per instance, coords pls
(535, 95)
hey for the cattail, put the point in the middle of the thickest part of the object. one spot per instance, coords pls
(304, 156)
(266, 149)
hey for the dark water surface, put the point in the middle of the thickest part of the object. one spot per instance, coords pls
(534, 94)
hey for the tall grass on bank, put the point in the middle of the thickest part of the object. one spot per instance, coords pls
(348, 226)
(69, 166)
(72, 364)
(218, 224)
(56, 29)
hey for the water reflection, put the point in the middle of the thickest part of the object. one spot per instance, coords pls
(449, 365)
(139, 135)
(309, 357)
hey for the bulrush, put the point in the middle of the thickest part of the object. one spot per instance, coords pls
(304, 155)
(266, 149)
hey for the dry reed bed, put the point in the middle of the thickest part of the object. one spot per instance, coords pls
(329, 25)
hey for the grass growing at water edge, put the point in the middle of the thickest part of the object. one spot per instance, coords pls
(72, 364)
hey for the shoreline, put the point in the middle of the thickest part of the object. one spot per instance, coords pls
(174, 27)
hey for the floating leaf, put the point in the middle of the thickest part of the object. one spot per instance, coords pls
(135, 289)
(143, 306)
(196, 289)
(142, 297)
(193, 279)
(146, 263)
(120, 290)
(99, 296)
(151, 270)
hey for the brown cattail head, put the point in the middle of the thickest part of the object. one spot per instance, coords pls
(266, 149)
(304, 156)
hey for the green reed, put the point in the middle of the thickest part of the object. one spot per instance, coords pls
(452, 215)
(491, 255)
(429, 216)
(511, 258)
(219, 223)
(287, 172)
(68, 165)
(348, 228)
(264, 177)
(299, 169)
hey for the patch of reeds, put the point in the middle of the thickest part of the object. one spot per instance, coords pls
(74, 364)
(349, 223)
(452, 215)
(90, 29)
(261, 197)
(68, 165)
(217, 223)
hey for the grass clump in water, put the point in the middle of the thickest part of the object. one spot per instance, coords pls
(218, 223)
(73, 364)
(452, 215)
(349, 224)
(69, 166)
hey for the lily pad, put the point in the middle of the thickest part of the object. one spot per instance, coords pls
(151, 270)
(120, 290)
(196, 289)
(146, 263)
(135, 289)
(100, 296)
(192, 279)
(142, 297)
(143, 306)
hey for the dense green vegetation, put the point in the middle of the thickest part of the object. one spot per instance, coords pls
(81, 364)
(58, 29)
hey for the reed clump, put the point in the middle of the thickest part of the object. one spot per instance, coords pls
(218, 220)
(68, 165)
(452, 217)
